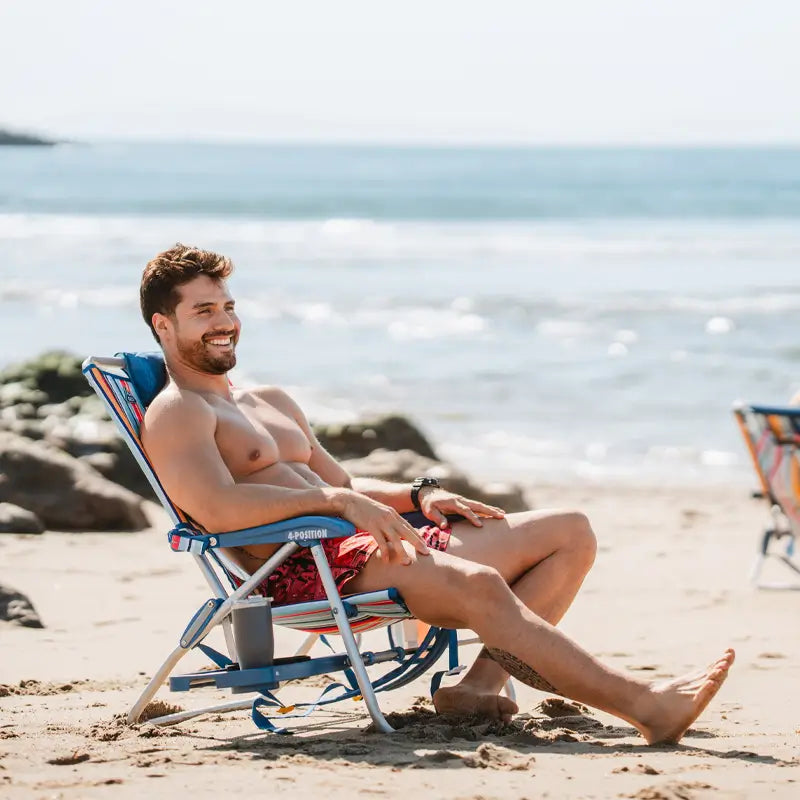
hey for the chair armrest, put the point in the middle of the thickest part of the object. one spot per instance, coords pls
(297, 529)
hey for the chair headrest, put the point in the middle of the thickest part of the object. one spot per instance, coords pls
(147, 372)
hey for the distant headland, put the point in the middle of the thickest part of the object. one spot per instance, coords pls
(16, 138)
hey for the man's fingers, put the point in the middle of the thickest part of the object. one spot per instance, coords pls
(386, 547)
(438, 517)
(470, 515)
(485, 510)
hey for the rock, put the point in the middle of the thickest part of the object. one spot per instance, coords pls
(14, 519)
(64, 492)
(122, 468)
(29, 428)
(359, 439)
(54, 377)
(80, 436)
(16, 608)
(19, 394)
(18, 138)
(405, 465)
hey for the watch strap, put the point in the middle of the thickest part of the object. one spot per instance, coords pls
(418, 484)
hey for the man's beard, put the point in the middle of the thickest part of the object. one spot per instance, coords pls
(201, 356)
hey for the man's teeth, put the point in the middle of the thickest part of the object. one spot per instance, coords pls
(226, 340)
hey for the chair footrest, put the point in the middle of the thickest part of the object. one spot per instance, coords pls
(255, 678)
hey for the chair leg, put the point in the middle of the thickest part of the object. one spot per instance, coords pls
(755, 572)
(227, 630)
(155, 684)
(308, 643)
(777, 533)
(356, 662)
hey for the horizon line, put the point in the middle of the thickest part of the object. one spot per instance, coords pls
(435, 143)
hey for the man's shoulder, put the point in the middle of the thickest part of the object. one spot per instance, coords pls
(268, 393)
(173, 404)
(278, 398)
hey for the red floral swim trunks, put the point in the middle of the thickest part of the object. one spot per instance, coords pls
(297, 579)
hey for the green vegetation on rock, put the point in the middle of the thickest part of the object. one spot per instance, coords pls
(56, 373)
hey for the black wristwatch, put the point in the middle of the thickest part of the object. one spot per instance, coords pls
(417, 485)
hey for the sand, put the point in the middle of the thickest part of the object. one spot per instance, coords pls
(669, 592)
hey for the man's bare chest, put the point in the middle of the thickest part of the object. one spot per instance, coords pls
(252, 435)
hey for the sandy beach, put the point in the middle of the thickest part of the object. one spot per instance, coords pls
(669, 592)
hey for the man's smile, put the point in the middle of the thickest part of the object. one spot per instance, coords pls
(220, 341)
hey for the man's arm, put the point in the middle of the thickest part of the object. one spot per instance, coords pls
(434, 502)
(178, 436)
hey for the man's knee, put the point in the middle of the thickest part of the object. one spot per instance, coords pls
(580, 538)
(482, 586)
(571, 532)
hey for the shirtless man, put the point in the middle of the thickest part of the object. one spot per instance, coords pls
(239, 458)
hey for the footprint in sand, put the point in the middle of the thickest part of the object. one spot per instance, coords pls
(675, 790)
(639, 769)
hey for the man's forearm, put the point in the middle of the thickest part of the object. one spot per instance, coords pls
(396, 495)
(246, 505)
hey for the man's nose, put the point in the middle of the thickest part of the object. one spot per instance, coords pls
(224, 319)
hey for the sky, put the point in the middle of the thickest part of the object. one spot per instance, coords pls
(564, 72)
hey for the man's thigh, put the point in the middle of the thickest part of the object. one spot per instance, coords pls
(515, 544)
(434, 587)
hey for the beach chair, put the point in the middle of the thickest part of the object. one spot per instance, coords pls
(127, 384)
(772, 435)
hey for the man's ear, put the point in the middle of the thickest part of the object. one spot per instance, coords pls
(160, 323)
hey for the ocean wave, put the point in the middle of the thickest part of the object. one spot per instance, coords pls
(501, 455)
(370, 240)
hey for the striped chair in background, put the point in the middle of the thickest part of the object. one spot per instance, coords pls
(772, 435)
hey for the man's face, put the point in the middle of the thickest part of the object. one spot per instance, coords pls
(205, 328)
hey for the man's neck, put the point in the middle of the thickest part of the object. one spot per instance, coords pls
(188, 377)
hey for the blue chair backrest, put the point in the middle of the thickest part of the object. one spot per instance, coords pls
(147, 373)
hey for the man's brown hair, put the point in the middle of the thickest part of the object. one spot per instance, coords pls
(158, 292)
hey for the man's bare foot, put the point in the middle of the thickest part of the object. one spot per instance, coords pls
(468, 701)
(675, 705)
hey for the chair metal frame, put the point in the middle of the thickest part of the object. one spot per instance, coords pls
(109, 379)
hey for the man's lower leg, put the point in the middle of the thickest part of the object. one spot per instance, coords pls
(541, 656)
(548, 589)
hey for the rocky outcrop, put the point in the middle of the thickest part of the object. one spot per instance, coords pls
(64, 492)
(49, 399)
(16, 608)
(16, 138)
(358, 439)
(14, 519)
(53, 377)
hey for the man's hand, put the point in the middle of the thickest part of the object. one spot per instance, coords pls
(387, 527)
(435, 503)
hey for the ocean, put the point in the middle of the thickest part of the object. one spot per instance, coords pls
(543, 314)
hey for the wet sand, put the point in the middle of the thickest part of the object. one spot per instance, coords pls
(668, 593)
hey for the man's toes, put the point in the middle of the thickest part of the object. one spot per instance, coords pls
(507, 707)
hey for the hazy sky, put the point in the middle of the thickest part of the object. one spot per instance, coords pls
(560, 71)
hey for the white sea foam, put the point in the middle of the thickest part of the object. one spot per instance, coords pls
(718, 326)
(617, 350)
(563, 328)
(371, 239)
(453, 321)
